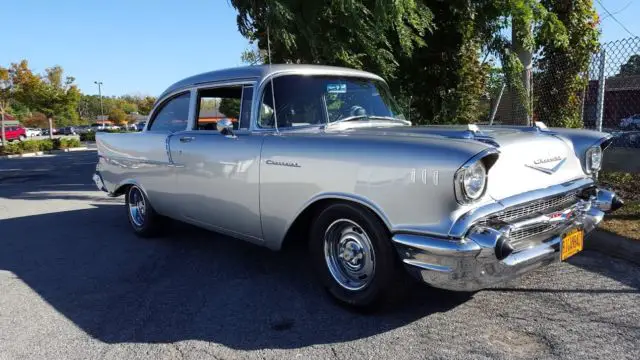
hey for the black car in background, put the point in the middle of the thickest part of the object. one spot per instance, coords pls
(69, 130)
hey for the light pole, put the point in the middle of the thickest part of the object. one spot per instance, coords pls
(99, 83)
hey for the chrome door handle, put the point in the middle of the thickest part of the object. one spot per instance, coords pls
(185, 139)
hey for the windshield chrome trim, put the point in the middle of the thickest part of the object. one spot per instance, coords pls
(255, 112)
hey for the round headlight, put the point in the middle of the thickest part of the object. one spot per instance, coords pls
(474, 180)
(594, 158)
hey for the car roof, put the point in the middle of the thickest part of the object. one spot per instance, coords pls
(259, 72)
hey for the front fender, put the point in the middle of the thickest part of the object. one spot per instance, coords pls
(582, 140)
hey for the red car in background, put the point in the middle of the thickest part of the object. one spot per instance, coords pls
(15, 133)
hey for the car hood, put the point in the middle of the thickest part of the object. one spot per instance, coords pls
(529, 158)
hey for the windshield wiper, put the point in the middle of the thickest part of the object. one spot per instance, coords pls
(368, 117)
(390, 118)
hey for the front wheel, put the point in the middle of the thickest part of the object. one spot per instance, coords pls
(143, 218)
(352, 253)
(22, 138)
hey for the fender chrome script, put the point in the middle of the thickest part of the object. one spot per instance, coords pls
(283, 163)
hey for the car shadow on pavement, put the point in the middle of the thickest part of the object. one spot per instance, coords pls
(190, 284)
(594, 262)
(613, 268)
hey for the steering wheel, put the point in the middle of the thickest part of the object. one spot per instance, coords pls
(357, 110)
(354, 111)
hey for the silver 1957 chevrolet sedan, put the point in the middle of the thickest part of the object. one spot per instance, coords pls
(322, 155)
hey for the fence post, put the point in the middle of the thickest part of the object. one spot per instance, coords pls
(601, 81)
(497, 104)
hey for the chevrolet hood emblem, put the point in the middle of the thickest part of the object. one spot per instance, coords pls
(547, 165)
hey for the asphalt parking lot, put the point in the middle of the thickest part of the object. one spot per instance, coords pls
(76, 284)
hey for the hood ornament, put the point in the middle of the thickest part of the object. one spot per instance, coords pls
(547, 165)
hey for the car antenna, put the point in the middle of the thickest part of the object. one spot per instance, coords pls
(273, 94)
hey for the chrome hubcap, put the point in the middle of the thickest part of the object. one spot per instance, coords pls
(349, 254)
(137, 206)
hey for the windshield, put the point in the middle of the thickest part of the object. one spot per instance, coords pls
(314, 100)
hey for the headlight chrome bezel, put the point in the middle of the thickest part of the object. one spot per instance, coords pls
(462, 193)
(590, 167)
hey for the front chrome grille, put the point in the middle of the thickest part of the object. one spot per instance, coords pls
(537, 207)
(519, 238)
(524, 233)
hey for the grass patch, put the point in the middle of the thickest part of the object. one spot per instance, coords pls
(624, 221)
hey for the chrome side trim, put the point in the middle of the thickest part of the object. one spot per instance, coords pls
(464, 222)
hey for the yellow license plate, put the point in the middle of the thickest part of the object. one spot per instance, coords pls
(572, 243)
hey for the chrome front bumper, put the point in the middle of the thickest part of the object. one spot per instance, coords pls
(484, 256)
(97, 179)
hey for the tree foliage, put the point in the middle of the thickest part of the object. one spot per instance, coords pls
(51, 93)
(561, 65)
(230, 107)
(6, 88)
(436, 55)
(118, 116)
(32, 98)
(89, 106)
(355, 33)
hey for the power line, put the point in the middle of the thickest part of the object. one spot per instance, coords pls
(614, 18)
(616, 12)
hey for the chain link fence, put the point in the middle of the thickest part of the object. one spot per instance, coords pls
(607, 100)
(612, 96)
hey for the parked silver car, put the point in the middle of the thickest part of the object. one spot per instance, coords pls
(323, 155)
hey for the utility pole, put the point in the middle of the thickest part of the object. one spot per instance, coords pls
(4, 87)
(99, 83)
(3, 137)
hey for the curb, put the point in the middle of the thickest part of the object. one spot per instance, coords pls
(614, 245)
(40, 153)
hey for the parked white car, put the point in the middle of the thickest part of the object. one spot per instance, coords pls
(33, 132)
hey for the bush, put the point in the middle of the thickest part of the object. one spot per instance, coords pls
(11, 148)
(46, 145)
(29, 146)
(90, 136)
(67, 143)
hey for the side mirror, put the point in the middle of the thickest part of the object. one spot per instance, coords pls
(225, 127)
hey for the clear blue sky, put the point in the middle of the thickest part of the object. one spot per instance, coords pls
(132, 46)
(141, 47)
(625, 11)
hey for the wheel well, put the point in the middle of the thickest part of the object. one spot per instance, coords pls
(297, 234)
(122, 190)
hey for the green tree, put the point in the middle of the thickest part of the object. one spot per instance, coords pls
(52, 93)
(354, 33)
(145, 104)
(6, 88)
(230, 107)
(435, 54)
(560, 78)
(254, 56)
(118, 116)
(631, 67)
(446, 78)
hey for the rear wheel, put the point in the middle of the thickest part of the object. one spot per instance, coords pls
(143, 218)
(353, 255)
(22, 137)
